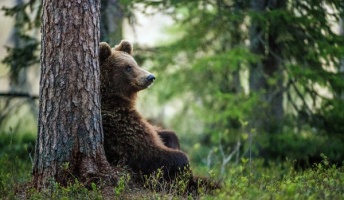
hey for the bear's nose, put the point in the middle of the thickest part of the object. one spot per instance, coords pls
(151, 77)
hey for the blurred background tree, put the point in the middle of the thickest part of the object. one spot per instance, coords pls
(240, 78)
(18, 106)
(267, 70)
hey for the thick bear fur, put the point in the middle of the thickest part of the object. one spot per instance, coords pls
(128, 138)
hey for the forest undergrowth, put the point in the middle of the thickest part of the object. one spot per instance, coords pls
(247, 180)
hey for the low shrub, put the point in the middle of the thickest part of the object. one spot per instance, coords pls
(246, 180)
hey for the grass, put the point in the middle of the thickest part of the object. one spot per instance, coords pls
(322, 181)
(243, 181)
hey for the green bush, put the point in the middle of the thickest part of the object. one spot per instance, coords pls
(305, 148)
(322, 181)
(15, 162)
(21, 146)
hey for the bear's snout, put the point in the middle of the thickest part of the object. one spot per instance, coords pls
(150, 78)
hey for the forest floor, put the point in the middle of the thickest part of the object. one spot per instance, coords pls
(244, 181)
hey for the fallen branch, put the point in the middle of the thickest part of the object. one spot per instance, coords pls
(18, 95)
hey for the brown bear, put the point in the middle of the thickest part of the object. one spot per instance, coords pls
(128, 138)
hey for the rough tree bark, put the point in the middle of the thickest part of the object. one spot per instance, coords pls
(70, 138)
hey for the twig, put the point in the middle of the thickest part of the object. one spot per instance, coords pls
(209, 158)
(18, 95)
(225, 159)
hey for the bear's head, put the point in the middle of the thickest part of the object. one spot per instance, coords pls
(121, 78)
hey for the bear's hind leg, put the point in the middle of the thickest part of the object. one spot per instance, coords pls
(169, 138)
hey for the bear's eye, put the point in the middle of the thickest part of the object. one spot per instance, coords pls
(128, 68)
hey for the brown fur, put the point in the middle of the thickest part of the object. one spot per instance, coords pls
(128, 137)
(169, 138)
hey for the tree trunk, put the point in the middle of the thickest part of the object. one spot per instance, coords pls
(70, 138)
(269, 114)
(111, 21)
(256, 79)
(341, 68)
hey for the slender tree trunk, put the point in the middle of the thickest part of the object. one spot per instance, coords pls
(341, 68)
(263, 37)
(256, 79)
(70, 138)
(111, 21)
(273, 70)
(19, 82)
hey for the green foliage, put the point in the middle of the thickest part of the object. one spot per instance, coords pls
(155, 182)
(24, 51)
(247, 180)
(228, 62)
(205, 72)
(18, 145)
(323, 181)
(305, 148)
(24, 56)
(72, 191)
(14, 173)
(122, 185)
(15, 162)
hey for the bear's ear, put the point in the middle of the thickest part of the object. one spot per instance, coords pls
(104, 51)
(124, 46)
